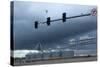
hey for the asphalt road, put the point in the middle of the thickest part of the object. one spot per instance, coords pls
(67, 60)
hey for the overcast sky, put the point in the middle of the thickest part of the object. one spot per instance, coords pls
(26, 36)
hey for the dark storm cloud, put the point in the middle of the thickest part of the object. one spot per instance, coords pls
(25, 13)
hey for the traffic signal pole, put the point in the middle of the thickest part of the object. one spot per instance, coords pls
(93, 13)
(69, 17)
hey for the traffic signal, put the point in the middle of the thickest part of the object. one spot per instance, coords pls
(48, 21)
(64, 17)
(36, 24)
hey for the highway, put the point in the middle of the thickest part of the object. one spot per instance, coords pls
(67, 60)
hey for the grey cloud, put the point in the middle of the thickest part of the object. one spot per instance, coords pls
(25, 13)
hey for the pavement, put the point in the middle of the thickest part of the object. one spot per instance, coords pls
(55, 61)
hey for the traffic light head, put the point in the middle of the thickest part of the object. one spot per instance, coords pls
(64, 17)
(48, 21)
(36, 24)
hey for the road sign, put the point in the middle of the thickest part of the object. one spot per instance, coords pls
(94, 12)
